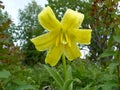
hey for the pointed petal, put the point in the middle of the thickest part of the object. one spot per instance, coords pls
(72, 52)
(54, 55)
(72, 19)
(43, 42)
(48, 20)
(82, 36)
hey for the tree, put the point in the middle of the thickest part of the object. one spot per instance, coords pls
(105, 21)
(27, 28)
(8, 51)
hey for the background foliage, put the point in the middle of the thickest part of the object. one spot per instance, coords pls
(21, 66)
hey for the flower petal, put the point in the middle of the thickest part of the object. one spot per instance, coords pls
(72, 52)
(72, 19)
(82, 36)
(43, 42)
(48, 20)
(54, 55)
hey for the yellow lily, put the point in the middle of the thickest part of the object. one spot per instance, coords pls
(62, 37)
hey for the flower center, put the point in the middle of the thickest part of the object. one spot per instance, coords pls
(63, 39)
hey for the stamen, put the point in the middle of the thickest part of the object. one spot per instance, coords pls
(66, 37)
(63, 39)
(68, 40)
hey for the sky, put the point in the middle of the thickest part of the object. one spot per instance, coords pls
(12, 6)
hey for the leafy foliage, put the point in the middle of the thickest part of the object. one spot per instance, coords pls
(94, 77)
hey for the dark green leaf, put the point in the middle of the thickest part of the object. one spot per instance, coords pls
(4, 74)
(109, 85)
(117, 38)
(107, 53)
(112, 67)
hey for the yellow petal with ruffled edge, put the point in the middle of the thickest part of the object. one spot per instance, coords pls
(45, 41)
(53, 55)
(82, 36)
(72, 19)
(72, 52)
(48, 20)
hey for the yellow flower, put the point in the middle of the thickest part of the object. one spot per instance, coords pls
(62, 37)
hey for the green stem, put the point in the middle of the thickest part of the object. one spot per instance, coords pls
(66, 72)
(64, 67)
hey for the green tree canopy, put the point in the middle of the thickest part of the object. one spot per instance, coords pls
(27, 28)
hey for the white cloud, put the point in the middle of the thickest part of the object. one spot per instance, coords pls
(12, 6)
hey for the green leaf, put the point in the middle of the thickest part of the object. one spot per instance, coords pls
(19, 82)
(4, 74)
(112, 67)
(69, 76)
(117, 38)
(55, 75)
(109, 85)
(107, 53)
(26, 87)
(69, 72)
(68, 82)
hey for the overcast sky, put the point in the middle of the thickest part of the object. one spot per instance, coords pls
(12, 6)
